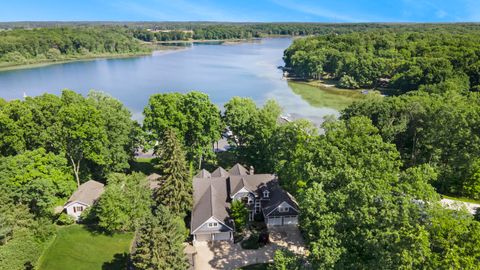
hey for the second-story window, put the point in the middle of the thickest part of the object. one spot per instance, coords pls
(266, 193)
(283, 209)
(212, 224)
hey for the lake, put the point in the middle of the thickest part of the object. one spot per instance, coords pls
(247, 69)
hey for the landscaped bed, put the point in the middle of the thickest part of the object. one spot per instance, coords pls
(77, 248)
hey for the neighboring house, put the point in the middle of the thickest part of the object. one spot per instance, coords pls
(154, 181)
(84, 197)
(213, 193)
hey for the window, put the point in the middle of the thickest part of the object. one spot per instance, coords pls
(212, 224)
(250, 200)
(266, 193)
(77, 209)
(283, 209)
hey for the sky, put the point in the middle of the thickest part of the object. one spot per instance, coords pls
(242, 10)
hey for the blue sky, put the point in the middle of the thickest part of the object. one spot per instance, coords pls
(243, 10)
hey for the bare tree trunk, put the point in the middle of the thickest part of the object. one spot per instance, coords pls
(76, 170)
(200, 161)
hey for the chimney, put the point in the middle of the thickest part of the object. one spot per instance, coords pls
(252, 171)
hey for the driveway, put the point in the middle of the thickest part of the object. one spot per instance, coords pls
(227, 255)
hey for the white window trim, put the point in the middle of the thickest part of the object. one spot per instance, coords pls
(266, 194)
(284, 209)
(213, 224)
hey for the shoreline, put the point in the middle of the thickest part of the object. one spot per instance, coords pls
(71, 60)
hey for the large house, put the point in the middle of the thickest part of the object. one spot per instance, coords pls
(84, 197)
(213, 193)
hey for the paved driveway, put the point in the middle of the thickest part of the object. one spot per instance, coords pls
(227, 255)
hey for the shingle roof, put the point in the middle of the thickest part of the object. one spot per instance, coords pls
(220, 172)
(238, 169)
(87, 192)
(250, 182)
(209, 200)
(277, 196)
(203, 174)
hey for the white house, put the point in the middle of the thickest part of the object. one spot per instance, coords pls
(84, 197)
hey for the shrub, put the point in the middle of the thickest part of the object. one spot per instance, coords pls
(65, 219)
(348, 82)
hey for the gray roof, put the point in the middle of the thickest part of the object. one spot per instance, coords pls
(238, 169)
(87, 192)
(209, 200)
(250, 182)
(276, 197)
(203, 174)
(211, 193)
(220, 172)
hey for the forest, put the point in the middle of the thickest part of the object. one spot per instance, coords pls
(398, 58)
(30, 46)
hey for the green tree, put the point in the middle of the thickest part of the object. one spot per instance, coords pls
(82, 136)
(285, 260)
(159, 242)
(175, 192)
(126, 202)
(38, 179)
(239, 214)
(193, 117)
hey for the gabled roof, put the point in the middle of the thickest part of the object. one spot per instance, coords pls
(209, 200)
(203, 174)
(87, 193)
(250, 182)
(220, 172)
(277, 196)
(238, 169)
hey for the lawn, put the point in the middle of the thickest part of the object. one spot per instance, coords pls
(76, 248)
(325, 97)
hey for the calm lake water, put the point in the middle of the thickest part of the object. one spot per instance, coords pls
(222, 71)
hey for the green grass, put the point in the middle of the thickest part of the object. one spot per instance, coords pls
(143, 165)
(258, 266)
(325, 97)
(76, 248)
(461, 199)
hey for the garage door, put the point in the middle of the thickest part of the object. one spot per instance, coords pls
(274, 221)
(290, 220)
(203, 237)
(221, 236)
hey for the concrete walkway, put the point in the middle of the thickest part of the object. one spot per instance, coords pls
(457, 205)
(227, 255)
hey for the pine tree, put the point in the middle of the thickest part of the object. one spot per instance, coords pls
(176, 190)
(158, 243)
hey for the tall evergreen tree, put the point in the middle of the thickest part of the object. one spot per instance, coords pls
(159, 243)
(176, 190)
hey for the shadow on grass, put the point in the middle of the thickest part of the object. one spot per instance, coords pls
(120, 261)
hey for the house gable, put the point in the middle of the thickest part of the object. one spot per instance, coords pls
(206, 228)
(276, 210)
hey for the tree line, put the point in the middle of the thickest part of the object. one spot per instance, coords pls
(399, 58)
(26, 46)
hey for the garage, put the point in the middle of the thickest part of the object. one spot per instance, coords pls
(203, 237)
(293, 220)
(221, 236)
(274, 221)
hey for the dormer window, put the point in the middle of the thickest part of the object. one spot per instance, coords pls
(212, 224)
(283, 209)
(266, 193)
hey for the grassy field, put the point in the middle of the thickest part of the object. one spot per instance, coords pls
(76, 248)
(321, 96)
